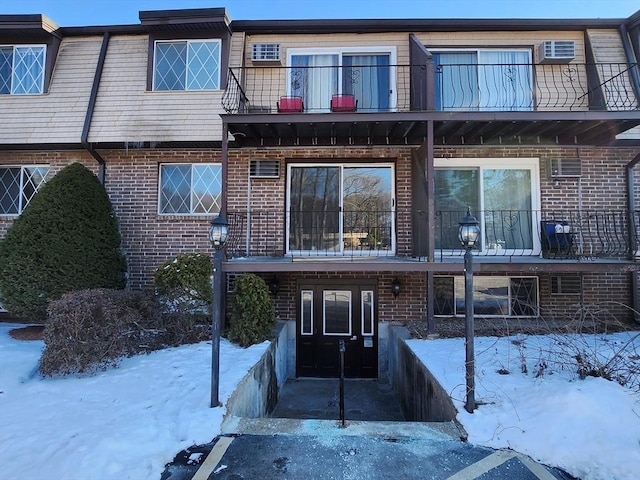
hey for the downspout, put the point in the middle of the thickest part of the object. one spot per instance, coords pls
(91, 106)
(633, 228)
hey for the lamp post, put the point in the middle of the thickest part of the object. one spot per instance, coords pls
(468, 234)
(217, 236)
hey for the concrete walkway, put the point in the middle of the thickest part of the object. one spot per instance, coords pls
(304, 439)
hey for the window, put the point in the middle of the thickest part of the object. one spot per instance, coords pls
(484, 80)
(503, 196)
(316, 75)
(492, 296)
(22, 69)
(187, 65)
(18, 185)
(190, 189)
(336, 209)
(566, 285)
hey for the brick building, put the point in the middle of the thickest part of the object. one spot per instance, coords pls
(344, 154)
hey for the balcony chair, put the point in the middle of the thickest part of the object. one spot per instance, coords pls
(290, 105)
(344, 103)
(556, 239)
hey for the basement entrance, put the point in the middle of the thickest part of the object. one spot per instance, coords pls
(319, 398)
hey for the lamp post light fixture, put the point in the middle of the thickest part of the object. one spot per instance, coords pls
(468, 234)
(218, 237)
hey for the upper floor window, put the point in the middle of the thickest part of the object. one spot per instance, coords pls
(485, 80)
(22, 69)
(190, 189)
(18, 185)
(187, 65)
(318, 74)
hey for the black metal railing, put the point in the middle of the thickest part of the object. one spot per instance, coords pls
(557, 234)
(455, 87)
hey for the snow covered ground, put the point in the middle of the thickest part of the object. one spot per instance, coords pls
(127, 423)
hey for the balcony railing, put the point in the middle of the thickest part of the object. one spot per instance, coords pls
(470, 87)
(403, 233)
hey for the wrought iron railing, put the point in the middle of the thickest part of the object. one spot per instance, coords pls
(459, 87)
(556, 234)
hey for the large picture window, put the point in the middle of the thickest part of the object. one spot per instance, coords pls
(503, 195)
(484, 80)
(190, 189)
(336, 209)
(366, 73)
(187, 65)
(492, 296)
(22, 69)
(18, 185)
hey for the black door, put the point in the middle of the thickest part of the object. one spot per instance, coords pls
(328, 314)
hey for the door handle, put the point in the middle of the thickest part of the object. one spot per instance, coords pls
(355, 337)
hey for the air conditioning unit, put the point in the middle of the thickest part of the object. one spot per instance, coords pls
(557, 51)
(265, 53)
(264, 169)
(565, 168)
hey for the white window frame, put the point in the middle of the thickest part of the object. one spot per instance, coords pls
(460, 281)
(188, 41)
(340, 51)
(302, 317)
(13, 67)
(191, 206)
(363, 309)
(22, 168)
(324, 313)
(342, 251)
(481, 164)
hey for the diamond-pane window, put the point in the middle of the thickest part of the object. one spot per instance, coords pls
(18, 186)
(190, 189)
(187, 65)
(22, 69)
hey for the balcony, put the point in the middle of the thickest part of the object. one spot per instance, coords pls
(401, 236)
(469, 103)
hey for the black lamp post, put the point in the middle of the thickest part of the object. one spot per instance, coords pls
(218, 237)
(468, 235)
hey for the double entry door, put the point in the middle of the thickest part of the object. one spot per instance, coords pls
(330, 314)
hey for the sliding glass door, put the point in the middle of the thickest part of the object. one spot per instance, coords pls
(340, 209)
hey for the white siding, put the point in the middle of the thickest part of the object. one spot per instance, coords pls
(57, 116)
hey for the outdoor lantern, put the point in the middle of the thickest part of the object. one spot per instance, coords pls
(469, 231)
(218, 232)
(395, 287)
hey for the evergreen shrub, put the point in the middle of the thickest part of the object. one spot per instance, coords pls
(252, 316)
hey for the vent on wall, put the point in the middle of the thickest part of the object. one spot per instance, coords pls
(565, 168)
(557, 51)
(566, 285)
(264, 169)
(265, 52)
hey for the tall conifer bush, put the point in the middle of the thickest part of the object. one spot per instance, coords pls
(66, 239)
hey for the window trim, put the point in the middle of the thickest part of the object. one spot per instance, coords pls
(510, 298)
(156, 41)
(532, 164)
(342, 166)
(190, 213)
(45, 65)
(341, 51)
(21, 193)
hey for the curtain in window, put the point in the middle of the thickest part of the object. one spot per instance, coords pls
(367, 78)
(456, 81)
(315, 79)
(28, 70)
(505, 80)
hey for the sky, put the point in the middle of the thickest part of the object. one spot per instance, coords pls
(69, 13)
(153, 406)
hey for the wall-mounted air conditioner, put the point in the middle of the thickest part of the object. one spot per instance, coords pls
(557, 51)
(565, 168)
(264, 169)
(265, 53)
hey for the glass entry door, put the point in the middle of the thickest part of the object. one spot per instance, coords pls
(329, 314)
